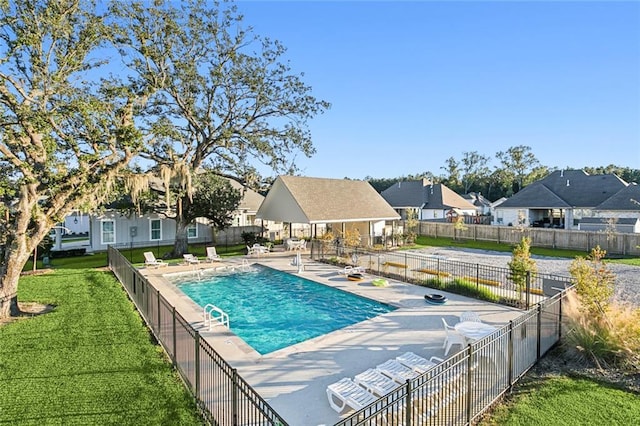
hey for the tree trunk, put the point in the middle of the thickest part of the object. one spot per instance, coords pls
(181, 244)
(9, 276)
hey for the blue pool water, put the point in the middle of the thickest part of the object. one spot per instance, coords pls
(271, 310)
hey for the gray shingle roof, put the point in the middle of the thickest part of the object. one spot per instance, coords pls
(622, 200)
(566, 189)
(423, 194)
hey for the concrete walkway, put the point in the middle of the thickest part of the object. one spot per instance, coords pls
(294, 380)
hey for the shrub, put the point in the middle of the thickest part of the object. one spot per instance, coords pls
(521, 264)
(594, 282)
(611, 339)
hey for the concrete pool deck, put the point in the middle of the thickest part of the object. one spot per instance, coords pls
(294, 379)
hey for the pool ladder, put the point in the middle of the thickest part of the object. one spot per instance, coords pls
(214, 316)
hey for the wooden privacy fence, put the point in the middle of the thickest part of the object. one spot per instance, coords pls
(613, 243)
(223, 397)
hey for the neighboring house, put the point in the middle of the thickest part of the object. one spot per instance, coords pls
(567, 198)
(112, 227)
(338, 205)
(427, 200)
(482, 205)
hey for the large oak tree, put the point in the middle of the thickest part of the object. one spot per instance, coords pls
(222, 96)
(64, 134)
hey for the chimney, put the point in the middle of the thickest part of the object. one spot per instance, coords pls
(562, 173)
(567, 182)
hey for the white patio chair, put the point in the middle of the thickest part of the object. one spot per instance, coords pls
(150, 260)
(453, 338)
(375, 382)
(190, 259)
(212, 255)
(470, 316)
(346, 393)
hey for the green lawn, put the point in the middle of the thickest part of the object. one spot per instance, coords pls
(90, 361)
(567, 401)
(423, 241)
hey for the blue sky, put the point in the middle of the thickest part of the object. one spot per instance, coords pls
(414, 83)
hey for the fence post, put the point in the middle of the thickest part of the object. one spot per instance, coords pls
(477, 276)
(510, 355)
(406, 267)
(539, 327)
(528, 290)
(234, 396)
(174, 338)
(408, 408)
(469, 381)
(561, 299)
(197, 363)
(159, 316)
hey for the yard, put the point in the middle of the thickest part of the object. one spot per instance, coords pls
(90, 360)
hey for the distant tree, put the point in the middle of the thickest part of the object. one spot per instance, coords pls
(65, 136)
(380, 184)
(518, 161)
(625, 173)
(221, 96)
(473, 169)
(451, 178)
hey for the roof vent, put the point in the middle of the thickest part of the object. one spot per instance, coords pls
(562, 173)
(567, 182)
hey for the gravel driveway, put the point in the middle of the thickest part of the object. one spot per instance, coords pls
(627, 287)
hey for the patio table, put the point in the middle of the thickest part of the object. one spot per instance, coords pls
(474, 330)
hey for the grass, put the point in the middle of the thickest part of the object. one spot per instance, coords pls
(90, 360)
(424, 241)
(135, 256)
(567, 401)
(490, 245)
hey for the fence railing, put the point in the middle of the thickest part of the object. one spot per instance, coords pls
(223, 397)
(490, 283)
(458, 390)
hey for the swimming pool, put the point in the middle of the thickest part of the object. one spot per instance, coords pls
(271, 309)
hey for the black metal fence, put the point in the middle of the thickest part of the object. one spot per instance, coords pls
(223, 397)
(459, 390)
(490, 283)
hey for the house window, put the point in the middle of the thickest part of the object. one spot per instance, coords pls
(156, 229)
(107, 232)
(192, 231)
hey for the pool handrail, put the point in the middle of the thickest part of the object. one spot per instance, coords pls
(214, 316)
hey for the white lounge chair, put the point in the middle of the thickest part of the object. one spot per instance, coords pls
(346, 393)
(150, 260)
(396, 371)
(348, 270)
(212, 255)
(453, 338)
(418, 363)
(190, 259)
(375, 382)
